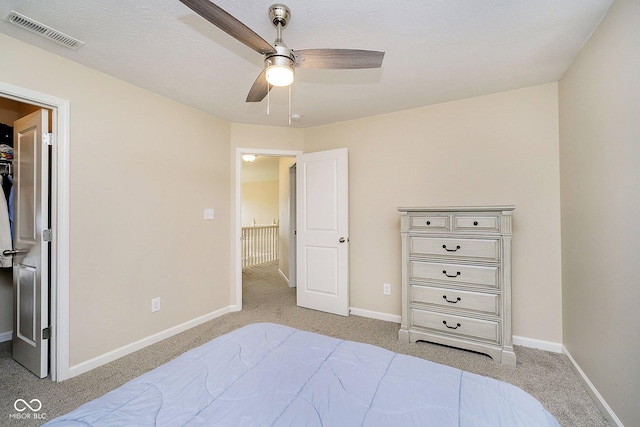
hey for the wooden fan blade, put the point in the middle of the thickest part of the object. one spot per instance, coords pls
(260, 88)
(229, 24)
(338, 58)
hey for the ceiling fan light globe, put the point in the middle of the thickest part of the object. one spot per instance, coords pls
(279, 75)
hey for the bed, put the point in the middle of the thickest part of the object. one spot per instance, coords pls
(272, 375)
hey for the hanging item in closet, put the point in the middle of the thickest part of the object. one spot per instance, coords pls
(6, 163)
(6, 160)
(7, 181)
(11, 203)
(5, 233)
(6, 152)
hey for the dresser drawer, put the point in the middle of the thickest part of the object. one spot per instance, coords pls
(476, 249)
(453, 298)
(472, 275)
(484, 223)
(486, 330)
(430, 223)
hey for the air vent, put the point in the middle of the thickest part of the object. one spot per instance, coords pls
(42, 30)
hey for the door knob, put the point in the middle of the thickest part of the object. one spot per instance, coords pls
(342, 240)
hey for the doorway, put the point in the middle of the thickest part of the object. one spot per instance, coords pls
(266, 222)
(59, 253)
(248, 219)
(25, 231)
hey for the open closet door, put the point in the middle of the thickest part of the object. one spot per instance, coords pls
(30, 254)
(323, 231)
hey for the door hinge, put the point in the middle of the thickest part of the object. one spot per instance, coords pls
(46, 333)
(47, 235)
(47, 138)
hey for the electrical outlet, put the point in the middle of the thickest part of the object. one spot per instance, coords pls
(386, 288)
(209, 213)
(155, 305)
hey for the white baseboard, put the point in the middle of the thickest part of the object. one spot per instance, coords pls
(554, 347)
(103, 359)
(375, 315)
(286, 279)
(6, 336)
(595, 395)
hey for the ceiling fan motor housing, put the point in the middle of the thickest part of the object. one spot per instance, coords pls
(279, 14)
(283, 57)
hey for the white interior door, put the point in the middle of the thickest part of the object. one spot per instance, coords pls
(30, 255)
(323, 231)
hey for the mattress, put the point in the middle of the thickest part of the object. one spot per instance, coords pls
(272, 375)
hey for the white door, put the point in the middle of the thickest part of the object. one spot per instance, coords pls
(30, 254)
(323, 231)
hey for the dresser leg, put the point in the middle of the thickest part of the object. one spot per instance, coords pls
(508, 357)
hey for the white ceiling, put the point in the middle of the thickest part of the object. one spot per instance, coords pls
(436, 50)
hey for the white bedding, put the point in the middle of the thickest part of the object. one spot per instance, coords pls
(272, 375)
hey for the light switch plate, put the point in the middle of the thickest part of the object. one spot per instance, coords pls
(209, 213)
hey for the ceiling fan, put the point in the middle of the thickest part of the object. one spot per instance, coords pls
(279, 60)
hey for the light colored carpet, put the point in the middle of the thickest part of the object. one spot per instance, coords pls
(267, 298)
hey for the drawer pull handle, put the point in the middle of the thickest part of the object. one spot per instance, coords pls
(449, 275)
(428, 222)
(450, 301)
(450, 250)
(475, 222)
(451, 327)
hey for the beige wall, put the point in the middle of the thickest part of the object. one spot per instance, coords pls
(259, 203)
(142, 168)
(266, 137)
(496, 149)
(600, 150)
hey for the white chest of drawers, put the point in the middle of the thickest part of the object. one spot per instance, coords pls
(456, 278)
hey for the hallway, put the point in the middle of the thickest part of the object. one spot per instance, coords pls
(263, 287)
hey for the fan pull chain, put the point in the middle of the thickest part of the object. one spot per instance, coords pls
(289, 105)
(268, 92)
